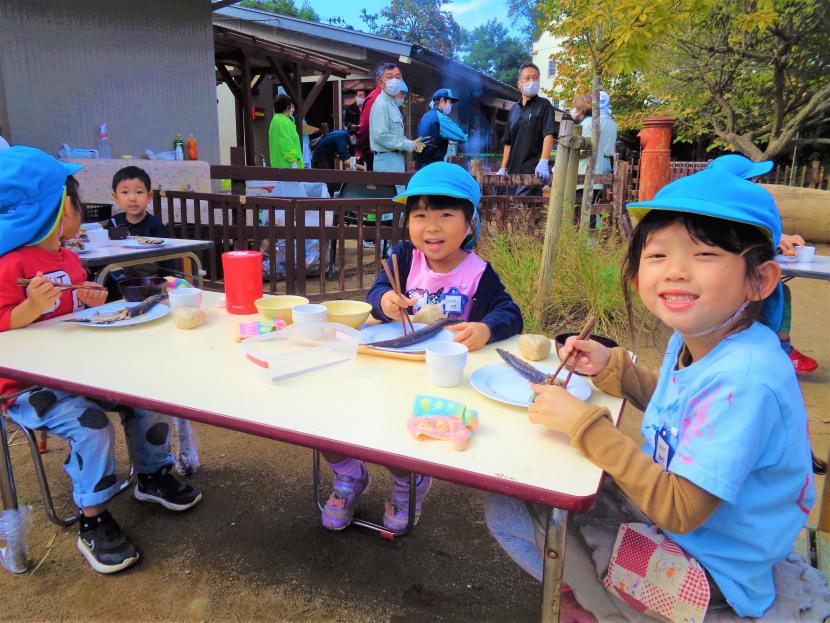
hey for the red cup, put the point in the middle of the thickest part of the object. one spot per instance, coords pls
(243, 280)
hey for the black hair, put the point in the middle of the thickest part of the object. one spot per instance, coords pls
(282, 103)
(356, 91)
(382, 67)
(739, 238)
(524, 66)
(353, 128)
(440, 202)
(72, 193)
(131, 173)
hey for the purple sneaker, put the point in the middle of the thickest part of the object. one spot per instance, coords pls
(397, 506)
(346, 491)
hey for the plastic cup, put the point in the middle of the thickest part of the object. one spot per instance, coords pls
(98, 236)
(445, 363)
(185, 297)
(804, 253)
(310, 313)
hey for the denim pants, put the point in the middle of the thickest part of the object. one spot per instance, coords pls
(83, 422)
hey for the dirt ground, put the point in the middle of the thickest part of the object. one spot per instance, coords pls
(254, 550)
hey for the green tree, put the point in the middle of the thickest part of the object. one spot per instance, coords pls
(284, 7)
(422, 22)
(492, 51)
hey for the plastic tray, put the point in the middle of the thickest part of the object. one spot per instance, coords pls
(299, 349)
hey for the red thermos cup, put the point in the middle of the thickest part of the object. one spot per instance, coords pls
(243, 280)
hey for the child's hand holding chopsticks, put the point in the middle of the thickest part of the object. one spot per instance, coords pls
(591, 359)
(395, 305)
(93, 295)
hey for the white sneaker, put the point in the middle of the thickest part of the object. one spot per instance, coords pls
(368, 244)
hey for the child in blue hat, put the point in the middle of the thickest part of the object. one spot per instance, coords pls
(724, 469)
(437, 266)
(39, 207)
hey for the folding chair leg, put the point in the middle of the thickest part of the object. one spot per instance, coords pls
(13, 555)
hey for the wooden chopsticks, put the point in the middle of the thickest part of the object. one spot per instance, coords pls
(586, 331)
(395, 280)
(63, 286)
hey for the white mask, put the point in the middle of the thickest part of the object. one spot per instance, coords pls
(399, 102)
(393, 86)
(529, 89)
(359, 101)
(447, 108)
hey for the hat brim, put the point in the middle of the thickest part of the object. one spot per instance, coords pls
(694, 206)
(71, 168)
(759, 168)
(430, 190)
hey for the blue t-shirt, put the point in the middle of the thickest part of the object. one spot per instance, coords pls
(738, 428)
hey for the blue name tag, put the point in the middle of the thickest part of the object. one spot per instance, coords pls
(663, 451)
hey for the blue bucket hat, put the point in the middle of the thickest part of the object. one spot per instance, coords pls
(448, 180)
(720, 194)
(32, 184)
(739, 165)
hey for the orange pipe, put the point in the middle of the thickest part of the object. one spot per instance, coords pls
(655, 145)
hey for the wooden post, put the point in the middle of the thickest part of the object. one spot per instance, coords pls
(238, 160)
(569, 199)
(246, 109)
(554, 218)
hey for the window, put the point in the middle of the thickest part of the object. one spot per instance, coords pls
(551, 68)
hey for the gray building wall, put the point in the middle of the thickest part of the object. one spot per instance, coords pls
(146, 68)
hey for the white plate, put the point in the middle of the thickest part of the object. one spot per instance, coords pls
(132, 244)
(391, 330)
(157, 311)
(785, 259)
(501, 382)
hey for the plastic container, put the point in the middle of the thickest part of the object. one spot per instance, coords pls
(300, 349)
(103, 142)
(192, 148)
(95, 212)
(243, 280)
(178, 147)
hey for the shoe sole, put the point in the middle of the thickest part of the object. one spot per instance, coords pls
(147, 497)
(99, 566)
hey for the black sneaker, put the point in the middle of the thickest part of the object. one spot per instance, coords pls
(163, 488)
(104, 546)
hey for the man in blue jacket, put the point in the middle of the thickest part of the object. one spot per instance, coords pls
(337, 144)
(430, 126)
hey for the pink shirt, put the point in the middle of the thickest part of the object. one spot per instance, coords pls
(453, 290)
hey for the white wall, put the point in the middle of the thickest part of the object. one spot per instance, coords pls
(543, 48)
(145, 68)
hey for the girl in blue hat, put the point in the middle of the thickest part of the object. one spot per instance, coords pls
(40, 207)
(724, 469)
(437, 266)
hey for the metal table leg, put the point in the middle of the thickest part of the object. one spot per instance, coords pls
(14, 555)
(363, 523)
(553, 564)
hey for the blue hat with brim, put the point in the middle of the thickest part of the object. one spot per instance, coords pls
(32, 184)
(717, 193)
(447, 180)
(739, 165)
(445, 93)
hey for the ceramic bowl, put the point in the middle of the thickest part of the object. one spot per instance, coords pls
(136, 289)
(273, 307)
(350, 313)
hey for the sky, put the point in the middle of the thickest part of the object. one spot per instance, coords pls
(468, 13)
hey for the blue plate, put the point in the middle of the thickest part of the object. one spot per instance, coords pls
(157, 311)
(391, 330)
(501, 382)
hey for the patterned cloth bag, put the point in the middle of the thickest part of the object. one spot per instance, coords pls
(653, 575)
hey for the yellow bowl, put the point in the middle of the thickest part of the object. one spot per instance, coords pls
(350, 313)
(273, 307)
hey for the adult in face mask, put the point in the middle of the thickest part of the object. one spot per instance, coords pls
(386, 135)
(528, 138)
(352, 110)
(430, 126)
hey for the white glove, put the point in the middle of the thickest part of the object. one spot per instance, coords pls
(543, 170)
(502, 172)
(409, 146)
(353, 164)
(294, 165)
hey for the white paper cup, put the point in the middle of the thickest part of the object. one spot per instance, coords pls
(98, 236)
(804, 254)
(445, 363)
(310, 313)
(185, 297)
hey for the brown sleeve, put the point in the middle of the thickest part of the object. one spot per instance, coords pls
(671, 502)
(625, 379)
